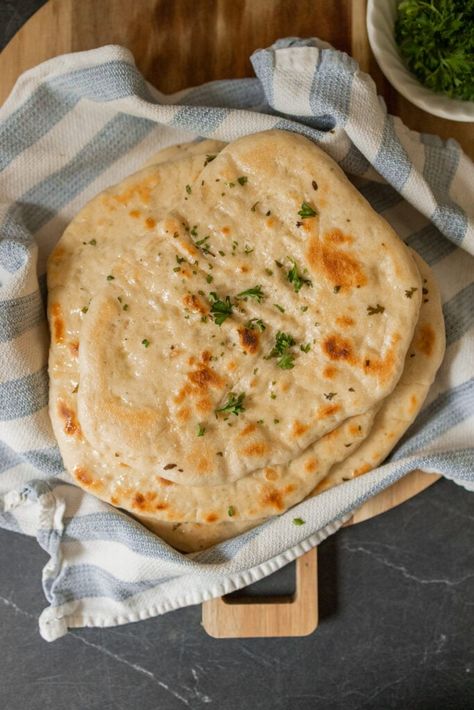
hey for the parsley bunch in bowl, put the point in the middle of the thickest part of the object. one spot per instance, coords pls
(436, 40)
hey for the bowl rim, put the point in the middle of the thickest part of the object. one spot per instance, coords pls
(392, 66)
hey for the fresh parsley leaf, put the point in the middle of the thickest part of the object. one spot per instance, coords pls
(220, 310)
(242, 180)
(188, 189)
(180, 259)
(297, 279)
(110, 277)
(254, 292)
(298, 521)
(307, 211)
(254, 206)
(330, 395)
(280, 308)
(231, 511)
(283, 341)
(201, 430)
(209, 159)
(234, 404)
(146, 342)
(305, 348)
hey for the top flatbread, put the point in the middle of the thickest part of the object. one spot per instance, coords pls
(151, 375)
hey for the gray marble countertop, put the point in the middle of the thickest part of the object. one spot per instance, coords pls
(396, 626)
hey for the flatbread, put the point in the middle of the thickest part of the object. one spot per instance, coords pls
(393, 418)
(424, 357)
(125, 223)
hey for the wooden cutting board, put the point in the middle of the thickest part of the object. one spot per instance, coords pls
(181, 43)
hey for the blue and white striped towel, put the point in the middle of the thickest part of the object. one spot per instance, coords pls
(78, 123)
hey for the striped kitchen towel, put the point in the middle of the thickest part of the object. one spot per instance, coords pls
(78, 123)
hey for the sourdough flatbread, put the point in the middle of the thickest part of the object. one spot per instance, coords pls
(131, 439)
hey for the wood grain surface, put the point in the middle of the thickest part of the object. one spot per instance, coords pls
(180, 43)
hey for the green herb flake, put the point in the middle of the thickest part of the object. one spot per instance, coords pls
(242, 180)
(76, 389)
(201, 430)
(296, 278)
(254, 206)
(254, 292)
(231, 511)
(188, 189)
(146, 342)
(280, 308)
(276, 421)
(330, 395)
(256, 324)
(110, 277)
(372, 310)
(305, 348)
(125, 307)
(267, 214)
(194, 231)
(279, 264)
(269, 272)
(220, 309)
(303, 309)
(234, 404)
(336, 288)
(209, 159)
(209, 278)
(286, 362)
(222, 253)
(307, 211)
(84, 309)
(93, 242)
(298, 521)
(248, 250)
(180, 259)
(177, 268)
(273, 395)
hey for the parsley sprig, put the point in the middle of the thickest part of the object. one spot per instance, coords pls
(254, 292)
(307, 211)
(281, 350)
(296, 278)
(234, 404)
(220, 309)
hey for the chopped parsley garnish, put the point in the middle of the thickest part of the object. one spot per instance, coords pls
(209, 159)
(303, 308)
(201, 430)
(336, 288)
(254, 206)
(248, 250)
(222, 253)
(220, 310)
(76, 389)
(180, 259)
(242, 180)
(125, 307)
(279, 264)
(230, 511)
(297, 279)
(307, 211)
(267, 214)
(234, 404)
(314, 185)
(280, 308)
(273, 395)
(256, 324)
(330, 395)
(286, 362)
(298, 521)
(110, 277)
(84, 309)
(281, 350)
(188, 189)
(254, 292)
(269, 272)
(372, 310)
(305, 348)
(209, 278)
(93, 242)
(276, 421)
(194, 231)
(146, 342)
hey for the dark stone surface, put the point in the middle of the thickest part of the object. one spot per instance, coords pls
(397, 608)
(396, 605)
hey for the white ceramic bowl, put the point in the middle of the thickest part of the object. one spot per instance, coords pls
(381, 16)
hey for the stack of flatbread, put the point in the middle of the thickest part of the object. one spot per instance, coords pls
(234, 329)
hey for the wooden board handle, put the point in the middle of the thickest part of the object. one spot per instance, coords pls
(253, 617)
